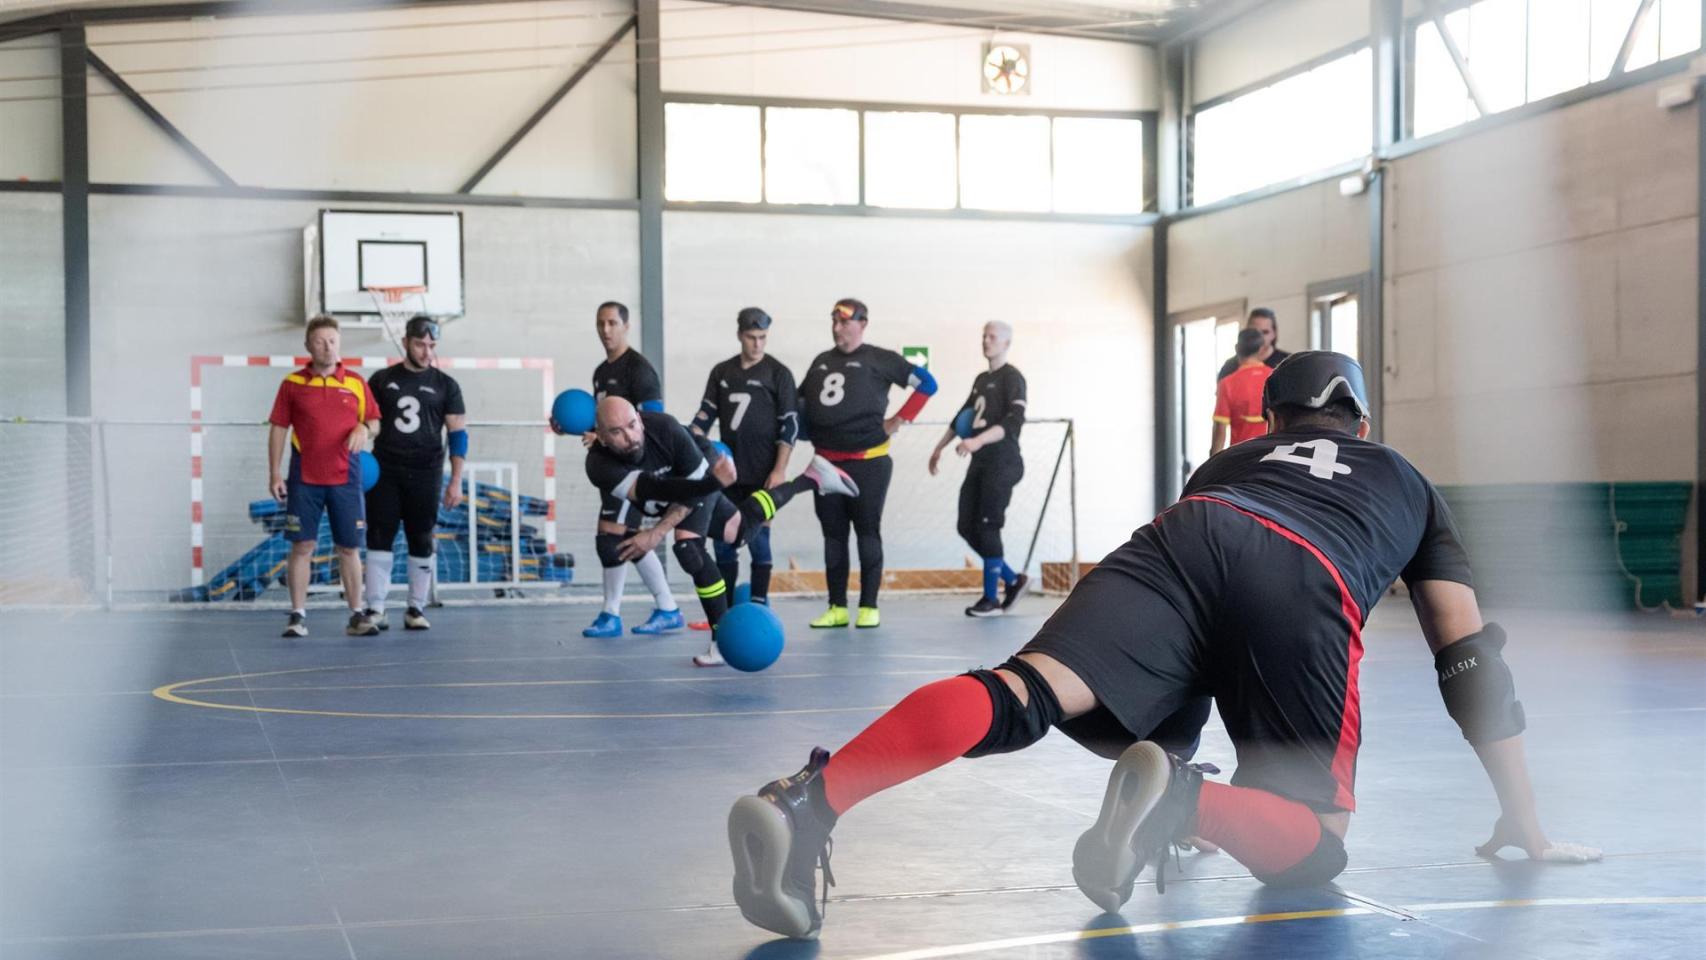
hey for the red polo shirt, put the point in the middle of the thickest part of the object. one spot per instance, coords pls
(321, 412)
(1238, 402)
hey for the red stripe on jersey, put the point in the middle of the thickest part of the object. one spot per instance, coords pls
(1350, 721)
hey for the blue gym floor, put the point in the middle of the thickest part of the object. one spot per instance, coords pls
(501, 787)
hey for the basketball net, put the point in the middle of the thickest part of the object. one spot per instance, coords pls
(395, 306)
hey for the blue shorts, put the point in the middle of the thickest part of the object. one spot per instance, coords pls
(343, 503)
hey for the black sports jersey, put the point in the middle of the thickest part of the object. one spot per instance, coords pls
(668, 451)
(412, 408)
(997, 398)
(846, 394)
(754, 407)
(1231, 363)
(630, 377)
(1364, 506)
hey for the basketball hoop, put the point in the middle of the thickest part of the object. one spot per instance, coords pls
(395, 305)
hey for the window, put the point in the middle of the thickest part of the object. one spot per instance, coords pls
(711, 153)
(811, 156)
(909, 160)
(1098, 165)
(1300, 125)
(1004, 162)
(1519, 51)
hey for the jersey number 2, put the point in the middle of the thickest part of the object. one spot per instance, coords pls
(1323, 461)
(409, 415)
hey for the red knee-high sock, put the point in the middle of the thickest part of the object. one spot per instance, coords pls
(932, 726)
(1261, 830)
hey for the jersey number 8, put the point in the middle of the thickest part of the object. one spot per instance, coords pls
(834, 389)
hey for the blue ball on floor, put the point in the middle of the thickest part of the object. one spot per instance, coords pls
(962, 424)
(742, 594)
(574, 411)
(749, 636)
(369, 471)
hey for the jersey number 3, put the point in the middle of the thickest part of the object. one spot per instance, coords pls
(408, 415)
(1323, 461)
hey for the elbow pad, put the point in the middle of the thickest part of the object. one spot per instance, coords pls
(654, 406)
(1477, 687)
(459, 443)
(922, 381)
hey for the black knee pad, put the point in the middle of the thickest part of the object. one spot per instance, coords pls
(606, 544)
(1015, 725)
(1324, 863)
(420, 543)
(691, 555)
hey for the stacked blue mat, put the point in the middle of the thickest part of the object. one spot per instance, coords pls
(263, 565)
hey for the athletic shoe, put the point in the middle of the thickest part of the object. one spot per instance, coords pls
(1150, 805)
(379, 619)
(830, 479)
(1013, 591)
(360, 626)
(414, 619)
(606, 626)
(868, 617)
(833, 617)
(297, 627)
(985, 607)
(661, 621)
(710, 658)
(778, 840)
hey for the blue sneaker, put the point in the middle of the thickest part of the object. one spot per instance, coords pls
(607, 625)
(661, 621)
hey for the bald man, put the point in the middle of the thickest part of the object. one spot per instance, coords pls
(651, 460)
(997, 406)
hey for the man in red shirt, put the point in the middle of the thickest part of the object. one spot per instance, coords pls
(332, 414)
(1238, 396)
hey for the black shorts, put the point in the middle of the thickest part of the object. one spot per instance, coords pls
(408, 496)
(1212, 601)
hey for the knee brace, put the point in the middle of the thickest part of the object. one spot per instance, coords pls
(606, 544)
(1324, 863)
(420, 543)
(759, 544)
(1014, 725)
(691, 555)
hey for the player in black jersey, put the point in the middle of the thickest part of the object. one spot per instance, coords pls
(752, 399)
(417, 402)
(997, 406)
(1254, 589)
(626, 374)
(845, 396)
(651, 461)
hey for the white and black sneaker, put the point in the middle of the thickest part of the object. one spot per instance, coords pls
(360, 626)
(712, 657)
(1150, 806)
(298, 625)
(1013, 591)
(779, 840)
(414, 619)
(985, 607)
(830, 479)
(379, 619)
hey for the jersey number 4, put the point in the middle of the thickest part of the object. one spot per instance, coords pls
(1323, 461)
(408, 415)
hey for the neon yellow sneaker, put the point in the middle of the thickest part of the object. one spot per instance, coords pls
(833, 617)
(868, 617)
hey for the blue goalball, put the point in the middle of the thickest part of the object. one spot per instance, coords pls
(749, 636)
(962, 424)
(574, 411)
(369, 471)
(723, 449)
(742, 594)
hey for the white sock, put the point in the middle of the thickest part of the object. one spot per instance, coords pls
(651, 571)
(615, 579)
(420, 581)
(377, 579)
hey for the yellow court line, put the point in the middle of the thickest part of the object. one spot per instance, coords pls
(726, 678)
(965, 949)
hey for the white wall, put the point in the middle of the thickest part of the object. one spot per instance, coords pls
(1268, 252)
(305, 102)
(760, 52)
(1077, 295)
(32, 305)
(1541, 298)
(1272, 39)
(29, 128)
